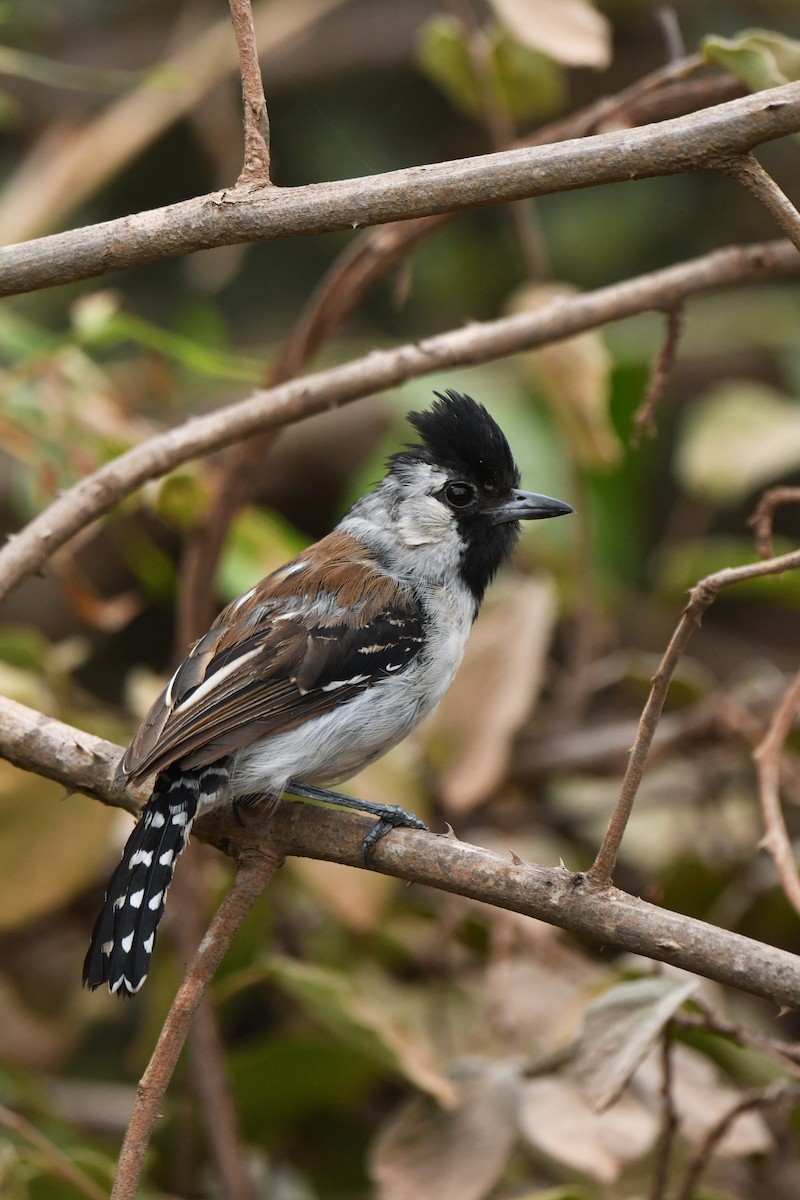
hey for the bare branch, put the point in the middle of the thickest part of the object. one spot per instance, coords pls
(552, 894)
(762, 518)
(754, 1099)
(255, 867)
(747, 170)
(767, 757)
(256, 120)
(699, 141)
(98, 493)
(701, 596)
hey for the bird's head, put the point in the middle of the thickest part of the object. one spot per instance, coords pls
(455, 499)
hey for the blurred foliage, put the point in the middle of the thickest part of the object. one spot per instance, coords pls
(382, 1040)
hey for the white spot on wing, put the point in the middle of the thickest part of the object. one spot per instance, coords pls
(180, 818)
(340, 683)
(214, 681)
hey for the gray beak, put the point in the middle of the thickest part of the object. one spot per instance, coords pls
(528, 506)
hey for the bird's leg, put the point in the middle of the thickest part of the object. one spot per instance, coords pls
(389, 815)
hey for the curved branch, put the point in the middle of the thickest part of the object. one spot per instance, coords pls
(553, 894)
(699, 141)
(98, 493)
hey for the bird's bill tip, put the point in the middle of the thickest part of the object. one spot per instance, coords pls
(529, 506)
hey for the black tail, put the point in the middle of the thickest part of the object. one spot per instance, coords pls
(125, 932)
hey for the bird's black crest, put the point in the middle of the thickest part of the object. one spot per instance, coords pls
(460, 435)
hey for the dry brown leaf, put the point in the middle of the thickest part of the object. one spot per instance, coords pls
(701, 1099)
(494, 691)
(574, 376)
(570, 31)
(619, 1030)
(50, 847)
(452, 1155)
(358, 898)
(557, 1121)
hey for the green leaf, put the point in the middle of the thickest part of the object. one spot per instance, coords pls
(524, 82)
(681, 566)
(356, 1019)
(739, 422)
(761, 58)
(259, 542)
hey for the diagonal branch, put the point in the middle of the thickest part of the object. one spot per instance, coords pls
(702, 140)
(768, 762)
(747, 170)
(254, 869)
(701, 596)
(98, 493)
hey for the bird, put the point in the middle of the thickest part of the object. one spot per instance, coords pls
(323, 666)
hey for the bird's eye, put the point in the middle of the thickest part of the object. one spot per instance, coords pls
(459, 495)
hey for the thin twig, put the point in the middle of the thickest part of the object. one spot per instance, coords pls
(767, 757)
(254, 870)
(209, 1075)
(58, 1164)
(700, 597)
(764, 515)
(256, 118)
(755, 1099)
(706, 140)
(747, 170)
(669, 1119)
(645, 420)
(787, 1054)
(99, 492)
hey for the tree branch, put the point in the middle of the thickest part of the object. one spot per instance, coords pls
(695, 142)
(701, 596)
(767, 756)
(256, 119)
(255, 867)
(98, 493)
(748, 171)
(552, 894)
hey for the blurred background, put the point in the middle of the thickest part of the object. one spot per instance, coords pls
(381, 1039)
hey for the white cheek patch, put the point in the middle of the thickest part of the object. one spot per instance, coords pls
(424, 520)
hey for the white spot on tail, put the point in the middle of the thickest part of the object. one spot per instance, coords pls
(166, 858)
(154, 901)
(141, 856)
(180, 818)
(148, 944)
(135, 898)
(158, 820)
(127, 942)
(107, 947)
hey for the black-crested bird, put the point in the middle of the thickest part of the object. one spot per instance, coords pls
(324, 665)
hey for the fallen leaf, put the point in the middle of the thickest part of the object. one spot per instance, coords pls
(557, 1121)
(458, 1154)
(620, 1029)
(574, 377)
(741, 422)
(702, 1098)
(570, 31)
(355, 1017)
(494, 691)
